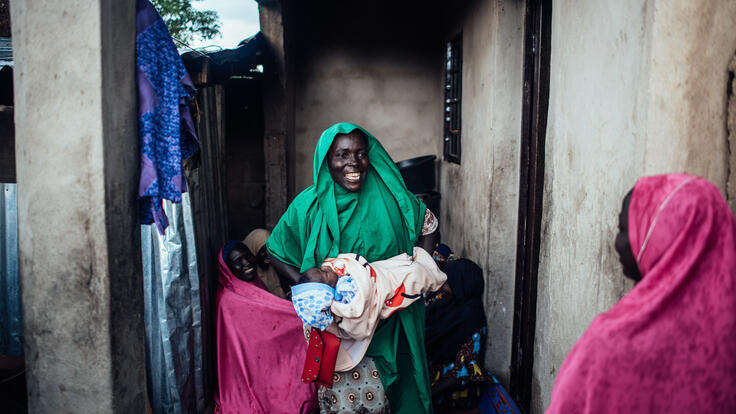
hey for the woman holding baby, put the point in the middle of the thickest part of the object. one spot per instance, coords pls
(359, 204)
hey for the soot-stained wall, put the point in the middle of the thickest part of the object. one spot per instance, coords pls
(360, 63)
(480, 195)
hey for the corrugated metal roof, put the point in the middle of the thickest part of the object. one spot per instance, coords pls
(6, 52)
(216, 67)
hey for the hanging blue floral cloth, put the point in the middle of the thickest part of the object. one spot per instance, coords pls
(166, 130)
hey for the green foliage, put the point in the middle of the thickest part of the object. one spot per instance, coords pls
(186, 23)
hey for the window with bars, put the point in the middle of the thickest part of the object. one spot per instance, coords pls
(453, 94)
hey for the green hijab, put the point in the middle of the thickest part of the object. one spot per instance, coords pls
(382, 220)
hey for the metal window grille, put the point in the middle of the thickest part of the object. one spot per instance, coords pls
(453, 94)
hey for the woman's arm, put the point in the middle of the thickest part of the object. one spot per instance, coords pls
(430, 234)
(286, 271)
(429, 241)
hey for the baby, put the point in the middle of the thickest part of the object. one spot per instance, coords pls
(323, 274)
(349, 296)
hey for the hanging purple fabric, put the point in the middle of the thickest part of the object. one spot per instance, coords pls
(165, 124)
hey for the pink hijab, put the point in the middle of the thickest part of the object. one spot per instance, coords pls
(260, 351)
(669, 345)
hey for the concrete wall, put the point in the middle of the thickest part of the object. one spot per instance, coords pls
(375, 69)
(480, 196)
(77, 170)
(637, 87)
(393, 96)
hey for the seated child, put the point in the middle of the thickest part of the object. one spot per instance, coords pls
(349, 296)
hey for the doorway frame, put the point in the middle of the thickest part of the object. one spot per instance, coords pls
(535, 104)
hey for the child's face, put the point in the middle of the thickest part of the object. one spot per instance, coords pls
(262, 258)
(242, 263)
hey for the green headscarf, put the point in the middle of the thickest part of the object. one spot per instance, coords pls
(382, 220)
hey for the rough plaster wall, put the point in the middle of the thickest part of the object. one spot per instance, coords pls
(480, 196)
(355, 62)
(77, 164)
(692, 44)
(391, 93)
(592, 159)
(637, 87)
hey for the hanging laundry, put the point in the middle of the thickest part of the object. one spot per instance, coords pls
(166, 129)
(175, 364)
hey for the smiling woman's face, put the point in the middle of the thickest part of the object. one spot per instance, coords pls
(348, 161)
(242, 263)
(623, 245)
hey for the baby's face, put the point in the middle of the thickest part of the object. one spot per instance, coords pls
(325, 275)
(329, 276)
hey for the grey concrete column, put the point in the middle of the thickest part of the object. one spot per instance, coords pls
(77, 158)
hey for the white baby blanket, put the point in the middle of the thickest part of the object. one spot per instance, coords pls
(374, 291)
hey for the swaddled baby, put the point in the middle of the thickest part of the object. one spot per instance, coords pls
(349, 296)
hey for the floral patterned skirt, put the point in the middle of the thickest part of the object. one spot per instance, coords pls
(461, 383)
(356, 391)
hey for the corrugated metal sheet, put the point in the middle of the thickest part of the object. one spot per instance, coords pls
(11, 321)
(6, 52)
(208, 193)
(172, 313)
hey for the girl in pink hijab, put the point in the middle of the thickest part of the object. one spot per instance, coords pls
(669, 345)
(260, 344)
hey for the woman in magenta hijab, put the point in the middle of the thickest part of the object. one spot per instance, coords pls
(260, 344)
(669, 345)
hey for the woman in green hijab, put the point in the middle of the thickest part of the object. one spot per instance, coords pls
(360, 204)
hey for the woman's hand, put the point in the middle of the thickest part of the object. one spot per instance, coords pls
(284, 270)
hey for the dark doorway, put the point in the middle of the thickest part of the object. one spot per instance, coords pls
(245, 176)
(537, 33)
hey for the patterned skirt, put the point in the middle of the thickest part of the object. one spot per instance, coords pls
(356, 391)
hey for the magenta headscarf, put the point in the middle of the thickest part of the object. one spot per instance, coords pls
(669, 345)
(260, 351)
